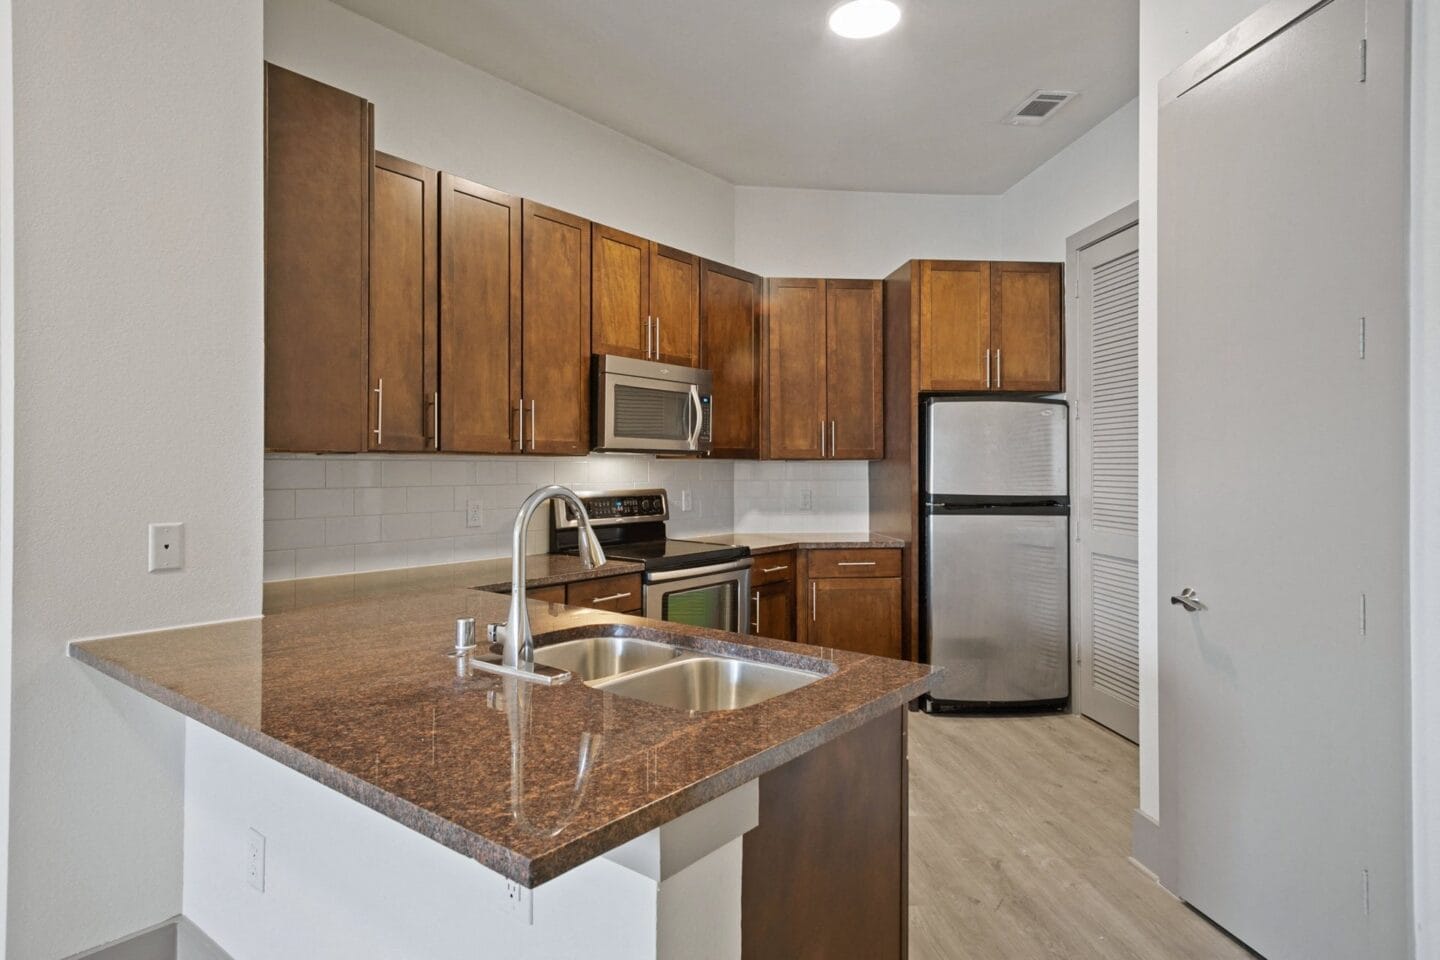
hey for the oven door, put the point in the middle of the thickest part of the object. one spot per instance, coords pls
(713, 597)
(646, 415)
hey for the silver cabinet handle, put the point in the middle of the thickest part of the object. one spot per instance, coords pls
(658, 328)
(987, 368)
(812, 601)
(379, 430)
(755, 624)
(1188, 599)
(832, 438)
(822, 439)
(520, 423)
(856, 563)
(613, 596)
(999, 377)
(774, 569)
(649, 337)
(532, 426)
(435, 420)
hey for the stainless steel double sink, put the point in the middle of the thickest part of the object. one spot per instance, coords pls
(671, 676)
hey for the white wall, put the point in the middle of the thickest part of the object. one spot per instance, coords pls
(1171, 31)
(1087, 181)
(835, 233)
(7, 433)
(445, 114)
(346, 514)
(1425, 470)
(138, 263)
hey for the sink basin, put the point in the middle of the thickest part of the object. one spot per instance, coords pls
(704, 684)
(591, 658)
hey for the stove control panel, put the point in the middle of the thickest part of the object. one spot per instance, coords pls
(607, 507)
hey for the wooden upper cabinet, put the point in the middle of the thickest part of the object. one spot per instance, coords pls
(855, 361)
(479, 317)
(795, 370)
(404, 305)
(730, 350)
(318, 158)
(1025, 303)
(675, 305)
(555, 353)
(955, 350)
(620, 293)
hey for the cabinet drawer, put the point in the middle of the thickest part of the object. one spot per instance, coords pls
(620, 594)
(854, 563)
(772, 568)
(551, 594)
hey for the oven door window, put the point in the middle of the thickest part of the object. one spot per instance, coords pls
(715, 606)
(645, 413)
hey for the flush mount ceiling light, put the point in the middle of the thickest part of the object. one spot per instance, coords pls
(861, 19)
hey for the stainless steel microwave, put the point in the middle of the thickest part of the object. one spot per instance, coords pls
(646, 407)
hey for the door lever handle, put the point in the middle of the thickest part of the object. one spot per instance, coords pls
(1188, 599)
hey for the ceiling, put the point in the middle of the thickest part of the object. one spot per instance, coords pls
(760, 93)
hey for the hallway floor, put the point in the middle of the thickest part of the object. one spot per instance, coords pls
(1019, 845)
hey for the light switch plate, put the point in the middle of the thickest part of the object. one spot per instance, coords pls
(167, 546)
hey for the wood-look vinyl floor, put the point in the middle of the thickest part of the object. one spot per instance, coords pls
(1020, 842)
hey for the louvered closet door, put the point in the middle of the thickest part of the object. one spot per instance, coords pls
(1106, 491)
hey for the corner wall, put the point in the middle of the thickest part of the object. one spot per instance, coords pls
(445, 114)
(137, 331)
(1425, 470)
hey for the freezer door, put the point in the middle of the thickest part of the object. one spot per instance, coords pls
(996, 448)
(998, 617)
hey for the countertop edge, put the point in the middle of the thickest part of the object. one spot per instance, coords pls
(529, 873)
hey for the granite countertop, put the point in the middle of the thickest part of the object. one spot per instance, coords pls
(776, 542)
(361, 696)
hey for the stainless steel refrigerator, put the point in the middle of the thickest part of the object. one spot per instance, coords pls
(996, 568)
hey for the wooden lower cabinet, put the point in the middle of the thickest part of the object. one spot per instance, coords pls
(772, 612)
(824, 873)
(852, 600)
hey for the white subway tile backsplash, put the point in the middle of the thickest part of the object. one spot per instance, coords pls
(324, 561)
(351, 530)
(337, 514)
(291, 534)
(292, 474)
(337, 502)
(279, 504)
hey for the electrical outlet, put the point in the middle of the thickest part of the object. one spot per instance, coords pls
(167, 546)
(686, 503)
(807, 500)
(255, 859)
(474, 513)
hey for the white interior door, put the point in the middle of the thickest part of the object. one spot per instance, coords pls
(1105, 414)
(1282, 484)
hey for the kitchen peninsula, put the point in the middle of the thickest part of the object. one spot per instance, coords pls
(554, 818)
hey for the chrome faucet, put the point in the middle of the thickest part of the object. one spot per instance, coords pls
(518, 653)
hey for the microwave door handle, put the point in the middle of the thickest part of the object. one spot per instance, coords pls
(699, 416)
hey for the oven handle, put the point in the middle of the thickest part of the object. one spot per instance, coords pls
(670, 576)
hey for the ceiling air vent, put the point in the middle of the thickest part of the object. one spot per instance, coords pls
(1039, 106)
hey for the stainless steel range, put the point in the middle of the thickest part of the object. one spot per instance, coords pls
(686, 581)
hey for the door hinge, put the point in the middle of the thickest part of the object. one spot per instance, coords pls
(1362, 338)
(1364, 57)
(1365, 889)
(1364, 614)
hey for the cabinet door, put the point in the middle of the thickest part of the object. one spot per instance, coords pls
(404, 305)
(854, 351)
(860, 615)
(620, 298)
(317, 241)
(955, 312)
(1025, 326)
(675, 305)
(795, 370)
(730, 350)
(772, 610)
(555, 362)
(479, 317)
